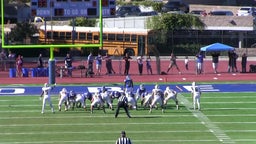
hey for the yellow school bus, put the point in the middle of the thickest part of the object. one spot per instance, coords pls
(116, 41)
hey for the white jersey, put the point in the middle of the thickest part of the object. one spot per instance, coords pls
(97, 99)
(170, 94)
(157, 97)
(196, 92)
(63, 95)
(46, 91)
(81, 98)
(106, 98)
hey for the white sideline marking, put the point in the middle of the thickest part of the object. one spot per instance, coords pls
(220, 134)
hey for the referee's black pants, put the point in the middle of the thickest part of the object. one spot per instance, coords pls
(123, 105)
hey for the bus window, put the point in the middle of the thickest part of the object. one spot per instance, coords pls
(141, 45)
(134, 38)
(48, 34)
(74, 35)
(82, 36)
(96, 37)
(150, 40)
(89, 36)
(55, 35)
(119, 37)
(111, 37)
(104, 37)
(68, 35)
(127, 37)
(62, 35)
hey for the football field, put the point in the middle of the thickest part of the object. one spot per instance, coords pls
(224, 118)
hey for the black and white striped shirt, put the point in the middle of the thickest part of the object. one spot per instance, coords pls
(123, 140)
(123, 98)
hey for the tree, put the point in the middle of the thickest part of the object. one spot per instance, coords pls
(167, 24)
(81, 21)
(22, 30)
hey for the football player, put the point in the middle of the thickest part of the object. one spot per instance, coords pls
(158, 97)
(63, 98)
(170, 94)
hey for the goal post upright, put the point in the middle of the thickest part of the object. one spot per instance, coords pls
(51, 62)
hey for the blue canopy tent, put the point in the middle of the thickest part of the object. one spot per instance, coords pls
(216, 47)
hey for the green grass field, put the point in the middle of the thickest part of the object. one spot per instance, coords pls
(224, 118)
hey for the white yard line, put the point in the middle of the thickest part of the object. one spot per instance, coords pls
(220, 134)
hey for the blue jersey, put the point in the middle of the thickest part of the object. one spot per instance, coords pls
(99, 60)
(128, 83)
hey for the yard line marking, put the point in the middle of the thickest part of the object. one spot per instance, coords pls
(110, 116)
(131, 132)
(112, 141)
(220, 134)
(232, 97)
(150, 123)
(240, 102)
(106, 141)
(99, 132)
(93, 124)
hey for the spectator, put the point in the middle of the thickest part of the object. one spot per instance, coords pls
(3, 55)
(3, 58)
(127, 63)
(186, 62)
(98, 63)
(40, 61)
(11, 58)
(215, 61)
(148, 64)
(109, 67)
(123, 139)
(244, 62)
(19, 63)
(230, 61)
(140, 64)
(90, 62)
(235, 56)
(68, 64)
(200, 60)
(173, 63)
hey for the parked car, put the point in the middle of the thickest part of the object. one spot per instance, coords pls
(149, 13)
(246, 11)
(128, 10)
(198, 12)
(221, 13)
(175, 5)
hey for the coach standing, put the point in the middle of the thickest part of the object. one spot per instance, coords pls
(123, 139)
(122, 102)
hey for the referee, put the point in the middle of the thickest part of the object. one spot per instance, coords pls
(123, 139)
(122, 102)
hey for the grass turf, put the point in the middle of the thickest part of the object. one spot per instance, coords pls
(224, 118)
